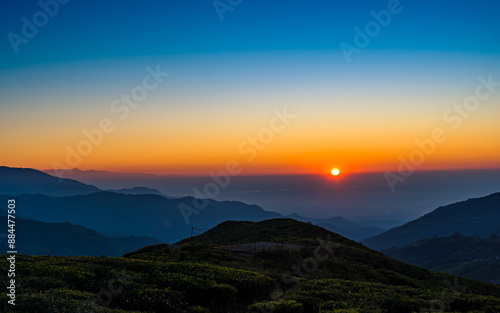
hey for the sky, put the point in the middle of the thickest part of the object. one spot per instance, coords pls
(188, 87)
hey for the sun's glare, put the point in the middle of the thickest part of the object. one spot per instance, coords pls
(335, 171)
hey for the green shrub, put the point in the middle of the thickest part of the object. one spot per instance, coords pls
(149, 300)
(52, 301)
(198, 309)
(281, 306)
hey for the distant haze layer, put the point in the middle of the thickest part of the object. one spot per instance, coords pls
(363, 196)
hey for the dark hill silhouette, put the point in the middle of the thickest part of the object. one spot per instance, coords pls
(139, 215)
(95, 175)
(65, 239)
(164, 220)
(17, 181)
(282, 230)
(294, 242)
(474, 217)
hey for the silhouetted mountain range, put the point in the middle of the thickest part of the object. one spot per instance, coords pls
(65, 239)
(139, 215)
(147, 212)
(341, 226)
(140, 191)
(17, 181)
(362, 198)
(80, 175)
(474, 217)
(144, 211)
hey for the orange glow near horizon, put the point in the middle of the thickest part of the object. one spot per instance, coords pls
(195, 140)
(286, 155)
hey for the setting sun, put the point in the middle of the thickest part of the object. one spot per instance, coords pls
(335, 171)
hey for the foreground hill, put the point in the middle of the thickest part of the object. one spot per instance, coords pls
(332, 275)
(475, 217)
(17, 181)
(283, 230)
(471, 257)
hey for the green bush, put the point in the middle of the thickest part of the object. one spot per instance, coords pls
(52, 301)
(281, 306)
(149, 300)
(198, 309)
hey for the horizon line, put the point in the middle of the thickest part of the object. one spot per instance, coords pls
(257, 174)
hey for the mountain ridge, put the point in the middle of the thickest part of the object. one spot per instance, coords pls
(66, 239)
(16, 181)
(140, 191)
(474, 217)
(467, 256)
(217, 211)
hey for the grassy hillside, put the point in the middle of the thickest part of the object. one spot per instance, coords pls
(326, 274)
(283, 230)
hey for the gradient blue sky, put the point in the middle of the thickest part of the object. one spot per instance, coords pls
(226, 76)
(94, 30)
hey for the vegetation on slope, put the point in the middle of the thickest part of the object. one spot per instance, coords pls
(280, 230)
(333, 275)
